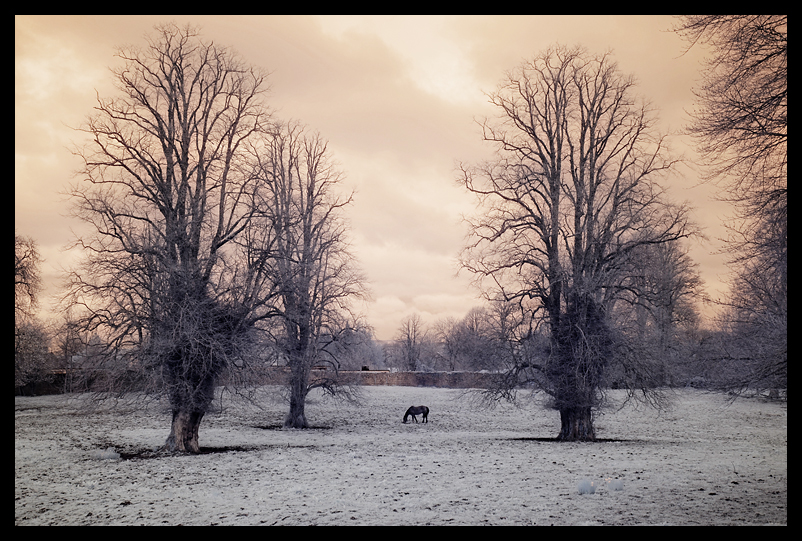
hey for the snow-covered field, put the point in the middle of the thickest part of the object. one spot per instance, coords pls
(705, 462)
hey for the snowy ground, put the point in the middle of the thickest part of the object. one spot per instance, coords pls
(705, 462)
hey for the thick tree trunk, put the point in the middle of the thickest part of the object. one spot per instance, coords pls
(296, 418)
(577, 424)
(184, 432)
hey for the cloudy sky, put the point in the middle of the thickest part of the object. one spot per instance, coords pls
(396, 96)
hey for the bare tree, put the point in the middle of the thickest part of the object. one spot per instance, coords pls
(67, 344)
(752, 348)
(167, 189)
(32, 362)
(656, 310)
(741, 126)
(741, 122)
(570, 198)
(304, 255)
(476, 342)
(31, 338)
(27, 277)
(356, 348)
(445, 331)
(409, 343)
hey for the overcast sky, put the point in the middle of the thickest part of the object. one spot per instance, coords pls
(396, 96)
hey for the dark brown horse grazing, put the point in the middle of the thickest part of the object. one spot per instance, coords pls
(417, 410)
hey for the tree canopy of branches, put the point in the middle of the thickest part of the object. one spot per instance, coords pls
(27, 278)
(741, 126)
(571, 198)
(166, 188)
(299, 238)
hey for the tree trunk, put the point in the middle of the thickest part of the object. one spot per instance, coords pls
(184, 432)
(577, 424)
(296, 418)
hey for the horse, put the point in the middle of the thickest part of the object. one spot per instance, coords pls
(417, 410)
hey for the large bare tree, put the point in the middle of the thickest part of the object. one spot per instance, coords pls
(741, 127)
(572, 195)
(302, 248)
(166, 189)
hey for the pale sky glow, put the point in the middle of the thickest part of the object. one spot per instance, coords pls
(436, 63)
(397, 98)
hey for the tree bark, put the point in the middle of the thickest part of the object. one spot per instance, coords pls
(183, 436)
(296, 418)
(577, 424)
